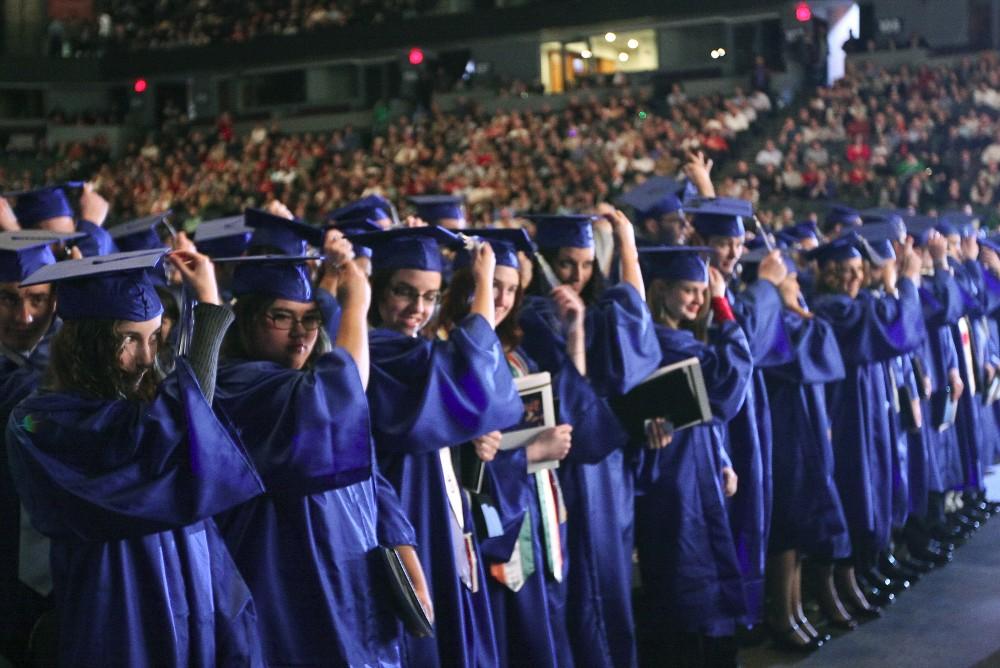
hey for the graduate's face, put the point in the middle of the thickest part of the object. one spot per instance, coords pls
(25, 314)
(683, 300)
(728, 251)
(409, 300)
(506, 281)
(286, 333)
(137, 351)
(574, 267)
(850, 276)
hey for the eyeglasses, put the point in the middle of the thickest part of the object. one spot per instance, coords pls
(409, 294)
(286, 321)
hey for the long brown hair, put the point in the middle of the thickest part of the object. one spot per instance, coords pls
(455, 306)
(590, 293)
(84, 360)
(656, 292)
(249, 310)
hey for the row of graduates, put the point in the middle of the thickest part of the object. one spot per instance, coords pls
(304, 477)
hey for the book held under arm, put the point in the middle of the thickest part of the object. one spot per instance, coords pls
(675, 393)
(539, 414)
(407, 605)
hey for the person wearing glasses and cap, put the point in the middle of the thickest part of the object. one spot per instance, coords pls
(608, 335)
(27, 323)
(425, 397)
(123, 471)
(298, 400)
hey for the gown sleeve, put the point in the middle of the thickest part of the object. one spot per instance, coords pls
(941, 299)
(393, 526)
(758, 309)
(426, 395)
(307, 432)
(621, 342)
(329, 307)
(816, 354)
(97, 241)
(105, 470)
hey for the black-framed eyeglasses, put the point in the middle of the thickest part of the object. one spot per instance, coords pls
(286, 321)
(409, 294)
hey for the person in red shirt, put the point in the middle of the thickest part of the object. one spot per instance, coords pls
(859, 151)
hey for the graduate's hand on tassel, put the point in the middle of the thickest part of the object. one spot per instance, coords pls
(353, 288)
(8, 221)
(730, 481)
(183, 243)
(772, 268)
(569, 305)
(337, 250)
(659, 433)
(487, 445)
(716, 283)
(553, 444)
(198, 272)
(276, 208)
(911, 263)
(93, 207)
(937, 246)
(411, 562)
(698, 169)
(990, 259)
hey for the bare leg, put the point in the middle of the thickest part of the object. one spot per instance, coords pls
(781, 615)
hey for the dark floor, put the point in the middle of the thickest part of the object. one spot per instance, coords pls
(951, 618)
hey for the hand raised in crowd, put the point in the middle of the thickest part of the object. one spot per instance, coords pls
(569, 306)
(414, 221)
(93, 207)
(198, 272)
(730, 481)
(659, 433)
(353, 288)
(716, 283)
(337, 250)
(937, 246)
(990, 259)
(484, 262)
(698, 169)
(487, 445)
(8, 221)
(553, 444)
(276, 208)
(911, 263)
(182, 242)
(622, 227)
(772, 268)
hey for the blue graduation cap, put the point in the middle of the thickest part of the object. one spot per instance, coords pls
(277, 276)
(141, 234)
(919, 227)
(563, 231)
(887, 230)
(655, 197)
(993, 243)
(373, 207)
(354, 227)
(34, 206)
(675, 263)
(408, 248)
(884, 249)
(287, 236)
(750, 262)
(222, 237)
(434, 208)
(505, 243)
(798, 232)
(842, 215)
(110, 287)
(23, 252)
(838, 250)
(719, 216)
(963, 223)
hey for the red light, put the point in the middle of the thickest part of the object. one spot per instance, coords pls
(416, 56)
(139, 86)
(802, 12)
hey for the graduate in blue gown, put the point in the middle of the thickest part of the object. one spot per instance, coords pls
(426, 397)
(123, 473)
(526, 553)
(619, 350)
(691, 575)
(27, 323)
(49, 209)
(870, 331)
(300, 407)
(719, 224)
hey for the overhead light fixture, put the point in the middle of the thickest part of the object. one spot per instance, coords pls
(714, 54)
(586, 53)
(623, 57)
(722, 52)
(633, 43)
(610, 37)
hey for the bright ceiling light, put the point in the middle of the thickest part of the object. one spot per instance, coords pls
(633, 43)
(623, 57)
(586, 53)
(610, 37)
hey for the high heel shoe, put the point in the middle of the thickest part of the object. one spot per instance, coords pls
(794, 640)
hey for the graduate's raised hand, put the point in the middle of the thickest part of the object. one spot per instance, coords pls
(93, 207)
(730, 481)
(937, 246)
(487, 445)
(569, 305)
(8, 221)
(484, 263)
(336, 250)
(353, 288)
(716, 283)
(553, 444)
(772, 268)
(414, 221)
(911, 263)
(990, 259)
(698, 169)
(198, 272)
(276, 208)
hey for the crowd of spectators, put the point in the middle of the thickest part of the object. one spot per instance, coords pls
(925, 137)
(549, 160)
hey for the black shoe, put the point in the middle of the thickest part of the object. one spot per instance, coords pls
(791, 640)
(877, 596)
(947, 533)
(891, 567)
(934, 556)
(917, 565)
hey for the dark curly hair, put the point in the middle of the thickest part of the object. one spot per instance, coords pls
(84, 360)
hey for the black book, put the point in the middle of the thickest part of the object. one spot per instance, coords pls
(910, 415)
(675, 393)
(943, 409)
(407, 605)
(469, 468)
(920, 372)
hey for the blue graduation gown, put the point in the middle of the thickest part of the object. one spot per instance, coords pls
(687, 556)
(758, 309)
(597, 479)
(20, 603)
(425, 396)
(126, 491)
(870, 330)
(306, 547)
(807, 512)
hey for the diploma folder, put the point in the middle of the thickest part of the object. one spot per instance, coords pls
(675, 393)
(408, 607)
